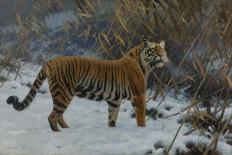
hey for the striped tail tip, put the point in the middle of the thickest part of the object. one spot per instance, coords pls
(15, 102)
(12, 100)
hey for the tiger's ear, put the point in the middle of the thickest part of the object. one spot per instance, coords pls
(162, 44)
(145, 42)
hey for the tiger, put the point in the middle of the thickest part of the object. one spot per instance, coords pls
(100, 80)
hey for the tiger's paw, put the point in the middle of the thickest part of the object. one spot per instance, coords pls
(112, 123)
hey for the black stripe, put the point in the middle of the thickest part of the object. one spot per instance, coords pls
(55, 87)
(117, 94)
(129, 95)
(66, 73)
(93, 81)
(38, 80)
(60, 94)
(36, 85)
(82, 70)
(72, 74)
(66, 80)
(87, 72)
(78, 88)
(99, 98)
(82, 95)
(105, 82)
(59, 112)
(32, 92)
(111, 84)
(60, 104)
(133, 104)
(60, 89)
(96, 79)
(29, 98)
(24, 104)
(58, 74)
(124, 93)
(99, 85)
(117, 84)
(112, 104)
(92, 96)
(67, 85)
(90, 86)
(80, 91)
(97, 88)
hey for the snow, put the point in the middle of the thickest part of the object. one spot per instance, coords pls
(28, 132)
(56, 20)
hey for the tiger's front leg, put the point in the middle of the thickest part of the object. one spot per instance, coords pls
(140, 110)
(113, 109)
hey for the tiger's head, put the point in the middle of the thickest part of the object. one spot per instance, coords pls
(153, 54)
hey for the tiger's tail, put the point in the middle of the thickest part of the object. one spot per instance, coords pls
(19, 106)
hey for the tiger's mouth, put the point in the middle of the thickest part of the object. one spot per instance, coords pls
(156, 62)
(159, 63)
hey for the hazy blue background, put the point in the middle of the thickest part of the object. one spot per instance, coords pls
(9, 7)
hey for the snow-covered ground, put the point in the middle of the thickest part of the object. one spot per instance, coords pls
(28, 132)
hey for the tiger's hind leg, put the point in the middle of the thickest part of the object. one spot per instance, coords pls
(62, 122)
(52, 119)
(113, 109)
(56, 117)
(61, 98)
